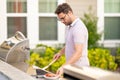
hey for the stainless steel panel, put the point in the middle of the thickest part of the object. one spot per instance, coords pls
(15, 51)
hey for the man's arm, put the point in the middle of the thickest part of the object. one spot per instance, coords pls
(59, 54)
(76, 55)
(62, 51)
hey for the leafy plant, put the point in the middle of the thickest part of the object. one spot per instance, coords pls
(102, 58)
(90, 21)
(117, 57)
(98, 57)
(43, 55)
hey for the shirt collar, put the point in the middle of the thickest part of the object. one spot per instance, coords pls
(74, 22)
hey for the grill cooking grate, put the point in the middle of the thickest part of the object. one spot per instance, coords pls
(40, 72)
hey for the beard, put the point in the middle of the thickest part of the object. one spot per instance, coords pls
(69, 22)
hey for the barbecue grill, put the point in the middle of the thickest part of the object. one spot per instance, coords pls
(15, 51)
(72, 72)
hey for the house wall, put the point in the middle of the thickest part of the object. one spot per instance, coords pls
(81, 6)
(78, 6)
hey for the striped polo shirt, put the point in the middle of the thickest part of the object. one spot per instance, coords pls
(77, 33)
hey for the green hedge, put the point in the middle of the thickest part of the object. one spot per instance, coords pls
(102, 58)
(117, 57)
(43, 55)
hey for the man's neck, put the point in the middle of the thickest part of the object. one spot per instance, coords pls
(74, 18)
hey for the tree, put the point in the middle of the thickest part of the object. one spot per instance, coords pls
(90, 21)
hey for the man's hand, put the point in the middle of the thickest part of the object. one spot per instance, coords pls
(60, 71)
(57, 56)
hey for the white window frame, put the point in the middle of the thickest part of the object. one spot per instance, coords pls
(3, 23)
(101, 15)
(33, 33)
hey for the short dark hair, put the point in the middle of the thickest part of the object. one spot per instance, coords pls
(64, 7)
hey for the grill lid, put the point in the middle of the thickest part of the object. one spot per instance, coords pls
(15, 50)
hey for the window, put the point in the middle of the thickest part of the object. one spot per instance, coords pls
(112, 6)
(47, 6)
(47, 20)
(15, 23)
(112, 19)
(16, 6)
(48, 28)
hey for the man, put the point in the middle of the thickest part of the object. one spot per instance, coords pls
(76, 39)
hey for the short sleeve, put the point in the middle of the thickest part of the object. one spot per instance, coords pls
(79, 35)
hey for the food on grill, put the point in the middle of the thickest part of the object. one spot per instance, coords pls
(50, 75)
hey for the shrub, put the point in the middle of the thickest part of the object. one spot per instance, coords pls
(98, 57)
(43, 55)
(90, 21)
(102, 58)
(117, 57)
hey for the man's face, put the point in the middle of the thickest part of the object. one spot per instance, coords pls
(65, 18)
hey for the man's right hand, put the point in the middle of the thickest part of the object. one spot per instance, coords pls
(57, 56)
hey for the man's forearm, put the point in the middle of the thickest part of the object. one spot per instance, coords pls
(75, 57)
(62, 51)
